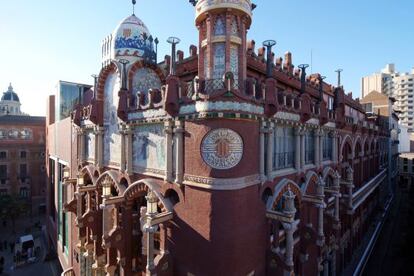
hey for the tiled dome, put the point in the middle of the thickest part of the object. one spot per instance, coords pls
(132, 40)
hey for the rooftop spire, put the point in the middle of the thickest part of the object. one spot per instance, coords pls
(133, 6)
(10, 87)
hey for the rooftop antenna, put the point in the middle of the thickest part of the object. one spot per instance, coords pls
(134, 2)
(339, 76)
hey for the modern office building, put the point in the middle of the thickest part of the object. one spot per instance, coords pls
(399, 86)
(22, 153)
(225, 162)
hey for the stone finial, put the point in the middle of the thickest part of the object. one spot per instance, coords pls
(180, 55)
(261, 53)
(288, 63)
(251, 46)
(279, 62)
(193, 50)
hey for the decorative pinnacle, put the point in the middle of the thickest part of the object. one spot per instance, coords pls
(134, 2)
(269, 64)
(339, 76)
(193, 2)
(173, 41)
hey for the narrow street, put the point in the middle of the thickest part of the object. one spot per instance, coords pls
(39, 267)
(393, 254)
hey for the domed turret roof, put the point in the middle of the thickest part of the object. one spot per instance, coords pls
(10, 95)
(132, 40)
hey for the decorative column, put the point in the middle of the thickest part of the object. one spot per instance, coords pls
(302, 149)
(270, 141)
(88, 259)
(350, 178)
(81, 147)
(290, 211)
(129, 150)
(262, 151)
(150, 230)
(321, 207)
(123, 148)
(179, 151)
(298, 133)
(334, 136)
(168, 128)
(82, 260)
(337, 196)
(318, 135)
(99, 146)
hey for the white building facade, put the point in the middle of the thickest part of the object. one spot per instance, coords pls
(397, 85)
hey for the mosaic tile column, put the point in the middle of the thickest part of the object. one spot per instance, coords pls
(179, 160)
(270, 138)
(168, 128)
(297, 148)
(129, 150)
(262, 151)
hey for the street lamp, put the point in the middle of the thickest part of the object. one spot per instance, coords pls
(80, 180)
(106, 187)
(66, 173)
(152, 205)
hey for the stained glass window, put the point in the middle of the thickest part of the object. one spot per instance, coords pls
(219, 60)
(145, 79)
(234, 60)
(220, 27)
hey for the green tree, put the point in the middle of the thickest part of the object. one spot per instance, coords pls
(12, 208)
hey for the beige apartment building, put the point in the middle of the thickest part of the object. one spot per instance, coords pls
(399, 86)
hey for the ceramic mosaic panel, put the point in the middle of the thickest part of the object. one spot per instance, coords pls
(112, 139)
(144, 80)
(149, 148)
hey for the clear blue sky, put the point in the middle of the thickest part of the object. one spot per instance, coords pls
(47, 40)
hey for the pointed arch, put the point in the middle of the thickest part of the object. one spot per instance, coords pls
(283, 186)
(103, 75)
(89, 172)
(311, 180)
(345, 140)
(329, 171)
(141, 188)
(120, 182)
(355, 143)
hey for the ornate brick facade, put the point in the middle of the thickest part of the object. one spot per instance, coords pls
(239, 164)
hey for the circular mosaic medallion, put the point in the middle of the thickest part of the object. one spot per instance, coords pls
(222, 148)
